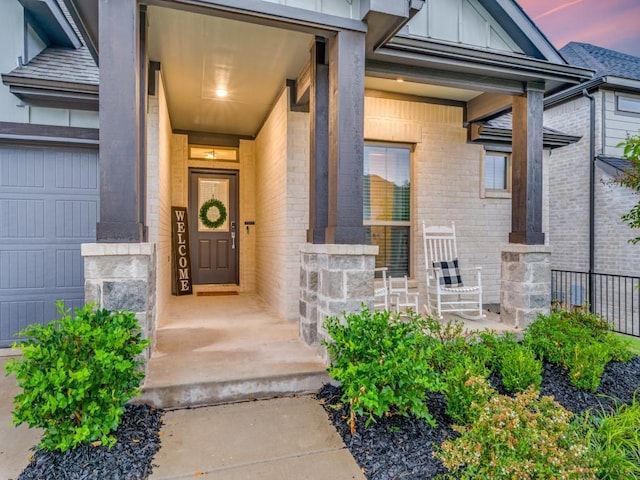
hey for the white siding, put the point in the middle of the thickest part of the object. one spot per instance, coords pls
(464, 22)
(617, 125)
(340, 8)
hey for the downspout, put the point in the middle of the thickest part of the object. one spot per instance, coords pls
(592, 192)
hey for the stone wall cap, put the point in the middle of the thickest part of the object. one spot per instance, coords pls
(116, 249)
(339, 249)
(521, 248)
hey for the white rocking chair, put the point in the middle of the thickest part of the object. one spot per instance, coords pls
(446, 293)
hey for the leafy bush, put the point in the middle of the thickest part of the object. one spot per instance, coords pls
(587, 364)
(382, 363)
(614, 438)
(520, 369)
(76, 374)
(465, 387)
(578, 340)
(525, 437)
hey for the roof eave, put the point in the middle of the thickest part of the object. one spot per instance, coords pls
(53, 94)
(481, 133)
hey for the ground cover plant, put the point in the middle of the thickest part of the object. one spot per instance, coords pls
(76, 375)
(585, 429)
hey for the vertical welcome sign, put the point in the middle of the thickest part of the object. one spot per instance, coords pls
(181, 256)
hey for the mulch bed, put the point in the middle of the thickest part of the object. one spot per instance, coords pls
(398, 447)
(129, 459)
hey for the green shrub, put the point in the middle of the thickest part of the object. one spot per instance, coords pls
(76, 374)
(520, 369)
(587, 364)
(382, 363)
(578, 340)
(614, 439)
(466, 389)
(525, 437)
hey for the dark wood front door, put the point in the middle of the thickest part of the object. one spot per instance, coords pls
(214, 248)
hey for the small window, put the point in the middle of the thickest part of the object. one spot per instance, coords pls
(628, 104)
(221, 154)
(496, 176)
(387, 204)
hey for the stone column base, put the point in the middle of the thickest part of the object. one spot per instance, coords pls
(526, 283)
(121, 276)
(333, 279)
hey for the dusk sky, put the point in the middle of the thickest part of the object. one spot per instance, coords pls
(613, 24)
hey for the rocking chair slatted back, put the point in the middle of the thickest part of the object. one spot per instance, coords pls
(439, 246)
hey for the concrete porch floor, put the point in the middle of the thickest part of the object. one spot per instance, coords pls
(220, 349)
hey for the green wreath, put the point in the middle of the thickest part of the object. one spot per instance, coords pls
(204, 213)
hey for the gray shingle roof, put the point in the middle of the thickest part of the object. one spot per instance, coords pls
(505, 122)
(602, 60)
(62, 65)
(620, 164)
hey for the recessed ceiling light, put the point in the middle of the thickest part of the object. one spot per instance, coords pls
(221, 92)
(399, 80)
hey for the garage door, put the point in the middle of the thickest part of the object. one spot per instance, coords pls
(48, 207)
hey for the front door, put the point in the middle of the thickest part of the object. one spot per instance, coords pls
(213, 215)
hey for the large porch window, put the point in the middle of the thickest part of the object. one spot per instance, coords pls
(387, 204)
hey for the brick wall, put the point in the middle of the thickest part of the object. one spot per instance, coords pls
(282, 204)
(569, 198)
(445, 184)
(159, 193)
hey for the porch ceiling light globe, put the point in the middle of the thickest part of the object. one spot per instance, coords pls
(221, 92)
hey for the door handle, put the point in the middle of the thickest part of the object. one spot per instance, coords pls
(233, 240)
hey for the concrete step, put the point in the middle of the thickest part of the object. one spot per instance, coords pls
(205, 393)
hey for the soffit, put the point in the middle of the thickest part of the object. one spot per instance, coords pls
(200, 54)
(420, 89)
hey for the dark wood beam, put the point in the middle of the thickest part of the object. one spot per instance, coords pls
(319, 143)
(120, 123)
(526, 197)
(346, 138)
(487, 105)
(29, 132)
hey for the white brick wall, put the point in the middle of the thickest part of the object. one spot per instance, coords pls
(569, 196)
(159, 134)
(445, 184)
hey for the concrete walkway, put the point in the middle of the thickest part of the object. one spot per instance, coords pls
(284, 438)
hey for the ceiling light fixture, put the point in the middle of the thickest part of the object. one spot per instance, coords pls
(221, 92)
(399, 80)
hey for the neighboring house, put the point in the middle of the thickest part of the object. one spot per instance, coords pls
(585, 230)
(48, 162)
(323, 127)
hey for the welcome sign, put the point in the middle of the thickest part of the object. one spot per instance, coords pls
(181, 256)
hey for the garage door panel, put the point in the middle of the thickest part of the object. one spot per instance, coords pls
(21, 269)
(22, 218)
(76, 218)
(49, 205)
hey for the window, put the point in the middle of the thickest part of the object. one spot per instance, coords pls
(496, 177)
(628, 104)
(221, 154)
(387, 204)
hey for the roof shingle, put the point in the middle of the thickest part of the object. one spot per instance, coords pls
(602, 60)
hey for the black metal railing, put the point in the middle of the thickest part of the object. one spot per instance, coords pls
(614, 297)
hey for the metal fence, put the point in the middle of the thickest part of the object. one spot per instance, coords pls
(614, 297)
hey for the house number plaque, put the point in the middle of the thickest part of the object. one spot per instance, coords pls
(181, 256)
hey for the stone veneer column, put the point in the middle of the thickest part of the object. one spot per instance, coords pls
(121, 276)
(526, 283)
(333, 279)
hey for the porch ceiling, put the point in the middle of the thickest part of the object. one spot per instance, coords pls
(200, 54)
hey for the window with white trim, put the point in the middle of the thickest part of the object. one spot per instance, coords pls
(496, 174)
(625, 103)
(387, 204)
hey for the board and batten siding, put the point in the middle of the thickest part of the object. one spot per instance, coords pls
(48, 207)
(339, 8)
(463, 22)
(617, 124)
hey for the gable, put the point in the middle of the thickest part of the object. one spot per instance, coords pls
(463, 22)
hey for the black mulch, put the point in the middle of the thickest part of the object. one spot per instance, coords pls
(402, 448)
(129, 459)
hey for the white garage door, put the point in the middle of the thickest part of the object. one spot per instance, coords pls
(48, 207)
